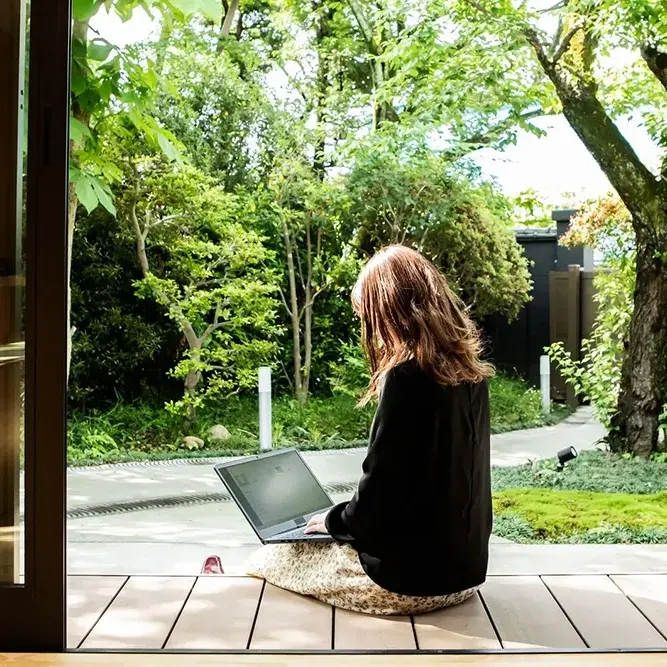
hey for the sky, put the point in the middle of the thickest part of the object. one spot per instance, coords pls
(557, 166)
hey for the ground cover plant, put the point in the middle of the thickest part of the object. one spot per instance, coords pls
(598, 498)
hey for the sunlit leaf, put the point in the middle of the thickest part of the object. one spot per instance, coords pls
(82, 10)
(167, 147)
(79, 82)
(78, 130)
(104, 196)
(85, 193)
(209, 8)
(99, 49)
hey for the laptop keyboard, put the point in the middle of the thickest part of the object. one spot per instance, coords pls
(292, 534)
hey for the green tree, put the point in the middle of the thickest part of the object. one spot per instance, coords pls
(306, 214)
(108, 83)
(571, 42)
(420, 200)
(215, 103)
(123, 347)
(206, 269)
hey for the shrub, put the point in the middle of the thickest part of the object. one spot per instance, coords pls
(149, 429)
(605, 225)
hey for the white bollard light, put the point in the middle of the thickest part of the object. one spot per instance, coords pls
(545, 384)
(265, 426)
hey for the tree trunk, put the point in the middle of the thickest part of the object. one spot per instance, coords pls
(322, 33)
(644, 372)
(293, 310)
(191, 381)
(308, 320)
(71, 222)
(228, 13)
(644, 376)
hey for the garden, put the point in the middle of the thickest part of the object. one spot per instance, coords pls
(233, 169)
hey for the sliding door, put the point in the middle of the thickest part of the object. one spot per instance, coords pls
(34, 94)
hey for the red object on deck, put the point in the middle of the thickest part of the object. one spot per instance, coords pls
(212, 565)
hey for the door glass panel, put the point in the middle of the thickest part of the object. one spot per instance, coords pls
(12, 286)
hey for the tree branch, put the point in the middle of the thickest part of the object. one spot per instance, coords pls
(296, 85)
(656, 61)
(139, 235)
(486, 138)
(167, 219)
(629, 176)
(553, 8)
(229, 18)
(481, 8)
(540, 50)
(217, 324)
(206, 283)
(566, 41)
(284, 300)
(364, 27)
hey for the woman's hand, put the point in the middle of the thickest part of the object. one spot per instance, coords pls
(317, 525)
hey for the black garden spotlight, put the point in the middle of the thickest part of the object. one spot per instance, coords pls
(565, 455)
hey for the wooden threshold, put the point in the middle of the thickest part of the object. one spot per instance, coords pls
(211, 660)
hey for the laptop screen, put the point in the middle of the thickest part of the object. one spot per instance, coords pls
(274, 489)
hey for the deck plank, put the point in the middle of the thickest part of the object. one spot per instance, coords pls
(142, 614)
(218, 614)
(649, 593)
(363, 632)
(526, 615)
(290, 621)
(464, 626)
(602, 614)
(87, 598)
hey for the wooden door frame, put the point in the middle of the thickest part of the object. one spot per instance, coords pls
(32, 615)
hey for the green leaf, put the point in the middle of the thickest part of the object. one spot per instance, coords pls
(106, 89)
(112, 65)
(150, 76)
(88, 100)
(82, 10)
(86, 193)
(79, 49)
(99, 49)
(74, 174)
(167, 147)
(104, 195)
(79, 82)
(209, 8)
(78, 130)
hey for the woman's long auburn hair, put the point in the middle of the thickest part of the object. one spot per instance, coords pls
(408, 311)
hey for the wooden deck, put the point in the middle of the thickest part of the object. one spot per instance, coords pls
(240, 613)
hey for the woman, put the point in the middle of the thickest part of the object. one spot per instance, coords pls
(415, 535)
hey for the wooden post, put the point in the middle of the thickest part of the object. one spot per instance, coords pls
(12, 40)
(573, 344)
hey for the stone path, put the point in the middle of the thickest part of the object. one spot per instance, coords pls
(176, 539)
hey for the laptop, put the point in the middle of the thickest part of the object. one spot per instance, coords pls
(278, 493)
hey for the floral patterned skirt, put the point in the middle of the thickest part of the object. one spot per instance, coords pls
(332, 573)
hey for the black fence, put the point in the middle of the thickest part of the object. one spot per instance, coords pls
(516, 347)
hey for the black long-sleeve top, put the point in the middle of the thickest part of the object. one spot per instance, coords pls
(421, 518)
